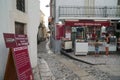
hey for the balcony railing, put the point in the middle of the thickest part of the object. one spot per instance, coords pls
(79, 11)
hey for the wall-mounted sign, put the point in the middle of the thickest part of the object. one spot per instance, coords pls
(87, 23)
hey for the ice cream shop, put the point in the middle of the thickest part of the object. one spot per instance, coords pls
(79, 35)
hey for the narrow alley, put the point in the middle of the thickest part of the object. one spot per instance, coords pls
(60, 40)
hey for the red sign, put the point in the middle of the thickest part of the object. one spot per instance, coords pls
(21, 40)
(59, 31)
(22, 63)
(18, 44)
(15, 40)
(87, 23)
(9, 40)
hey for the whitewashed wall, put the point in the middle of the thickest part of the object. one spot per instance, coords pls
(70, 2)
(67, 2)
(4, 27)
(106, 2)
(84, 3)
(33, 23)
(8, 16)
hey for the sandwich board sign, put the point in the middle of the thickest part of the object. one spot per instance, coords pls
(18, 65)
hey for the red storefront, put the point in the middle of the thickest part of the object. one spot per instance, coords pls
(88, 27)
(87, 23)
(88, 31)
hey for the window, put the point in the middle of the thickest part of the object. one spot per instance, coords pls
(19, 28)
(20, 5)
(118, 2)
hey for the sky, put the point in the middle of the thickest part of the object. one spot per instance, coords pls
(46, 10)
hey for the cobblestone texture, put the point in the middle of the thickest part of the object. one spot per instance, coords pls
(61, 72)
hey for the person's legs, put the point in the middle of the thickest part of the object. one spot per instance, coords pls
(107, 50)
(96, 51)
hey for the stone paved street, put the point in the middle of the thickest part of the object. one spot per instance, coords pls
(58, 69)
(54, 66)
(107, 66)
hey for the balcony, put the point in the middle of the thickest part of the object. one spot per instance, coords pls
(79, 12)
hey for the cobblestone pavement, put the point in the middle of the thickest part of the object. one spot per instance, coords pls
(64, 68)
(59, 70)
(110, 71)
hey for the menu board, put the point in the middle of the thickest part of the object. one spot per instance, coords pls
(22, 63)
(18, 60)
(15, 40)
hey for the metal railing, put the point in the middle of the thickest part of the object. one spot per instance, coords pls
(82, 11)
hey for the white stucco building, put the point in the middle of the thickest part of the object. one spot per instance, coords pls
(21, 17)
(61, 10)
(56, 4)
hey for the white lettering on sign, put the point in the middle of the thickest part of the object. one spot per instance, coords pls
(10, 40)
(85, 24)
(21, 35)
(21, 38)
(20, 48)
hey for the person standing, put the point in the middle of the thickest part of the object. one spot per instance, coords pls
(107, 41)
(96, 48)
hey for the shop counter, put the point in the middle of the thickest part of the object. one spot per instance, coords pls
(81, 48)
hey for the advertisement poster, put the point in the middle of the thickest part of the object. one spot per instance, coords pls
(22, 63)
(15, 40)
(18, 45)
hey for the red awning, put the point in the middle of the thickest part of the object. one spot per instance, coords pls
(87, 23)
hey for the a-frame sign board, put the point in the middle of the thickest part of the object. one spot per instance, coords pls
(10, 73)
(18, 65)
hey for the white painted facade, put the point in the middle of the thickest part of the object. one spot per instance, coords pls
(106, 2)
(31, 18)
(100, 3)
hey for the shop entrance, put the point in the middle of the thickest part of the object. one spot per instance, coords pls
(78, 33)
